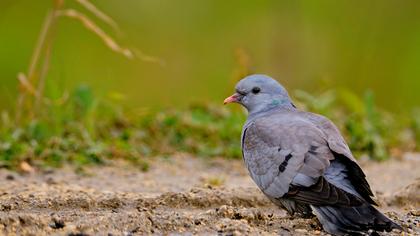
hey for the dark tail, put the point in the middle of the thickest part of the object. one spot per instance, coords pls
(353, 220)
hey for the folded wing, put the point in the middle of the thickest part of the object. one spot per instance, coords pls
(288, 156)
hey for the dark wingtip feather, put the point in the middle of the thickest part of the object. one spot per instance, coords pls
(350, 220)
(357, 178)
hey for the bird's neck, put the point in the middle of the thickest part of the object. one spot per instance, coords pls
(281, 105)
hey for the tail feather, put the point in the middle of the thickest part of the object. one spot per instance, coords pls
(353, 220)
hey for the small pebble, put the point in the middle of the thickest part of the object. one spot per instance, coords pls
(10, 177)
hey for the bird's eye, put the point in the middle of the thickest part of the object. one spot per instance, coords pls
(256, 90)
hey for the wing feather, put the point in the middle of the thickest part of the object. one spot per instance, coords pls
(323, 193)
(275, 151)
(342, 153)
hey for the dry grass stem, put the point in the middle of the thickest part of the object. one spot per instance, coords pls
(27, 88)
(91, 26)
(100, 14)
(32, 66)
(26, 85)
(147, 58)
(42, 77)
(40, 45)
(41, 56)
(49, 39)
(61, 101)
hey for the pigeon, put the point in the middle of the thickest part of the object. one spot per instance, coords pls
(301, 162)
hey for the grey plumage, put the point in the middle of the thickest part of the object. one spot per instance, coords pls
(301, 162)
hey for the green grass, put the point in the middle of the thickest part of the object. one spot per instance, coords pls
(86, 130)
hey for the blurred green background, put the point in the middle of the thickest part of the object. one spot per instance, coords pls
(356, 62)
(308, 45)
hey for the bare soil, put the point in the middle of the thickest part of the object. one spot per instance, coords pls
(181, 195)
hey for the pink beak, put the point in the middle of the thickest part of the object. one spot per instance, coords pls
(234, 98)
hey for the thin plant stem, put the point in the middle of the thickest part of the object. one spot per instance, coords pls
(101, 15)
(91, 26)
(42, 77)
(47, 59)
(40, 45)
(33, 64)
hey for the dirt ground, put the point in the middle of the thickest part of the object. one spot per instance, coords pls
(180, 195)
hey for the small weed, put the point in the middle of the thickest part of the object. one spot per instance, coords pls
(215, 181)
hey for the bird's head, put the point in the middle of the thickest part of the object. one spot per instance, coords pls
(258, 93)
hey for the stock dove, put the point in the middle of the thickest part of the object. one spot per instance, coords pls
(301, 162)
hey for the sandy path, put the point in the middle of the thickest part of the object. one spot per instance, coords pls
(178, 195)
